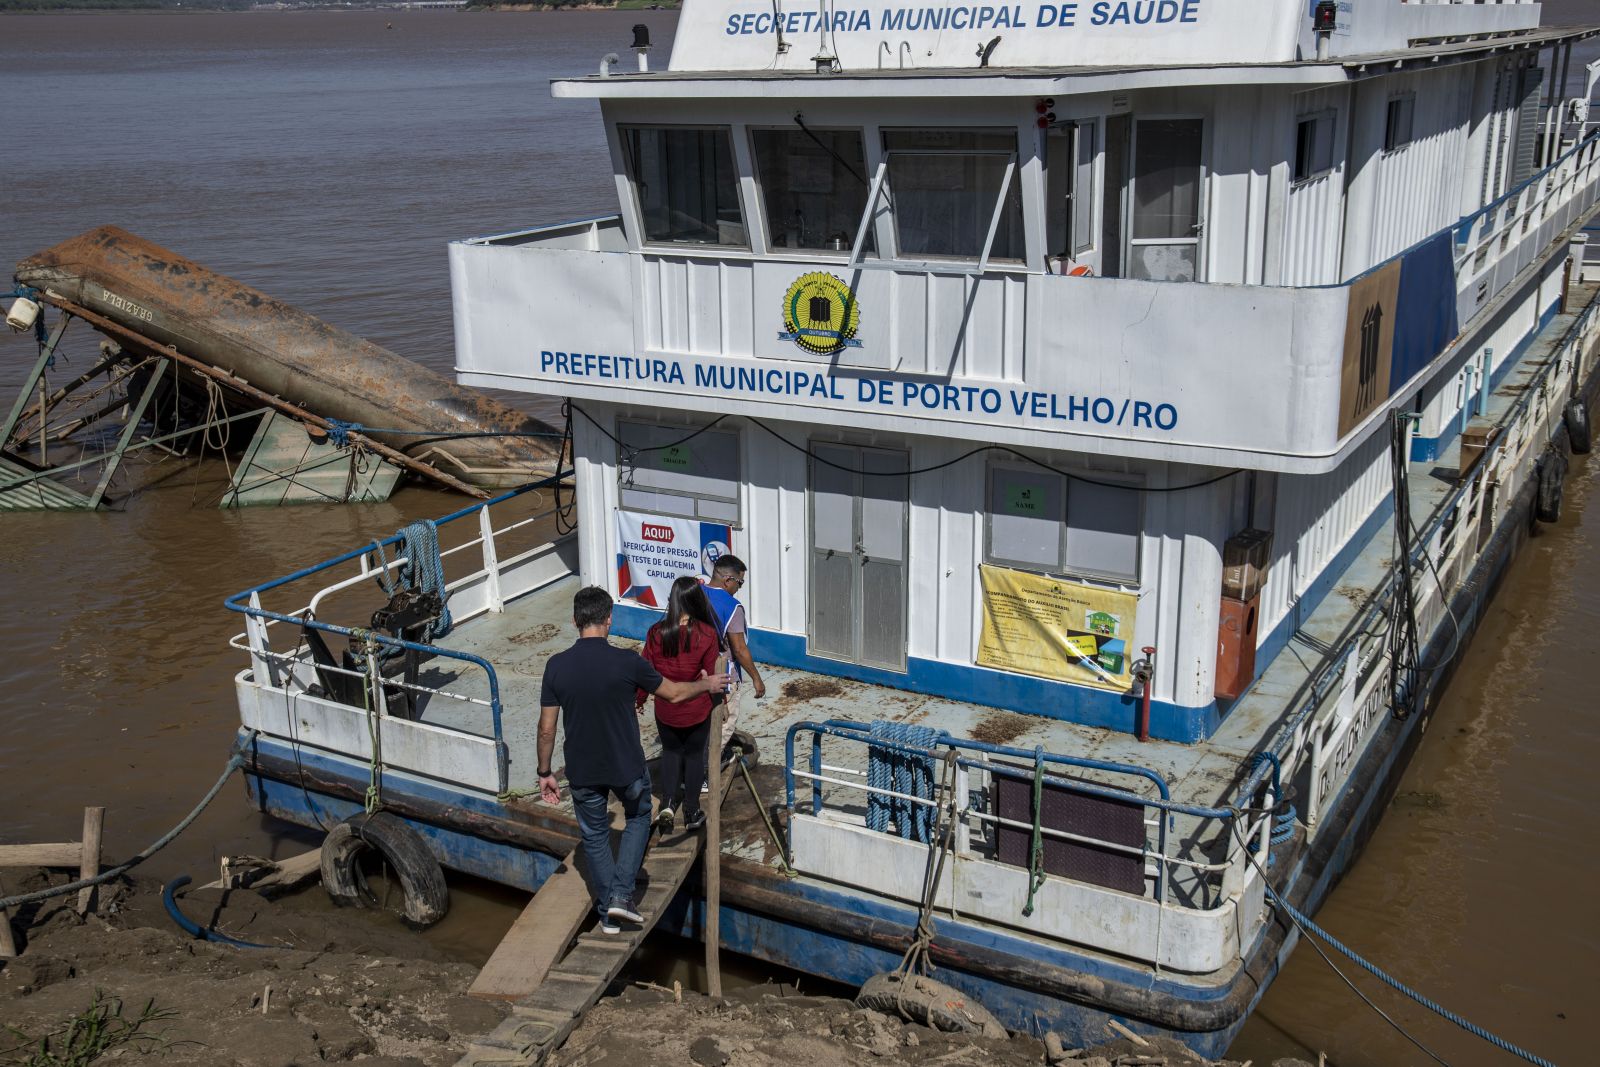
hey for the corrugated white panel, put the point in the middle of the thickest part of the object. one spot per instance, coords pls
(703, 310)
(1418, 185)
(738, 306)
(1314, 215)
(1315, 518)
(908, 331)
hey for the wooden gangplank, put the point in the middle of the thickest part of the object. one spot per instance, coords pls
(542, 1018)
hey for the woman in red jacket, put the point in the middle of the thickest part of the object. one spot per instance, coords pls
(683, 646)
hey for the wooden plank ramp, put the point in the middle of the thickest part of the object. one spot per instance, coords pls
(559, 993)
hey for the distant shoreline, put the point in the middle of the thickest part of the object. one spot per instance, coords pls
(157, 7)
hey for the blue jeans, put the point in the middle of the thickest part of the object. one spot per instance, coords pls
(611, 880)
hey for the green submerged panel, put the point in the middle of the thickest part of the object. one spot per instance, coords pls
(284, 466)
(24, 489)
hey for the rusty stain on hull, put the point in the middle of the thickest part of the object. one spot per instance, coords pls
(286, 352)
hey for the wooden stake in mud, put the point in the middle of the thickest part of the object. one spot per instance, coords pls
(8, 947)
(94, 820)
(713, 856)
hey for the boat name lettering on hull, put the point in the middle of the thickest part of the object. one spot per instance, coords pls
(1337, 767)
(967, 17)
(1029, 404)
(126, 306)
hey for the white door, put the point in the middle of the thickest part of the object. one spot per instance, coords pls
(1164, 220)
(858, 555)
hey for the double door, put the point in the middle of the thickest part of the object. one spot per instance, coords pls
(858, 555)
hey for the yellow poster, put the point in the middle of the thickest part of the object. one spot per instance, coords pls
(1056, 629)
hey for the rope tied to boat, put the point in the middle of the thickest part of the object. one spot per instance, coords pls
(424, 570)
(235, 762)
(891, 771)
(1304, 924)
(1283, 815)
(1036, 844)
(915, 959)
(373, 800)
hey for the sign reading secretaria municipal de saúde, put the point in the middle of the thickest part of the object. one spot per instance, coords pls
(653, 551)
(743, 34)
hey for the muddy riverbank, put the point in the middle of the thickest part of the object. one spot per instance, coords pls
(336, 987)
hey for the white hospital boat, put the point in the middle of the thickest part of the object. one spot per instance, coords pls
(1057, 370)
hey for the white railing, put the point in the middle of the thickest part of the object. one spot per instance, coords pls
(1494, 244)
(279, 694)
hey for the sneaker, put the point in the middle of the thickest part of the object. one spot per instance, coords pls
(666, 819)
(694, 822)
(624, 912)
(608, 925)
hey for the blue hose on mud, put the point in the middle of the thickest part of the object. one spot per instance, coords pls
(189, 926)
(1394, 983)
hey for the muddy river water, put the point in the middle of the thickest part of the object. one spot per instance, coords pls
(327, 158)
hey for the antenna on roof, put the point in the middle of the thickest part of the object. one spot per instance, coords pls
(826, 61)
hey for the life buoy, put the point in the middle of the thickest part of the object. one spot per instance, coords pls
(1552, 475)
(1576, 417)
(426, 898)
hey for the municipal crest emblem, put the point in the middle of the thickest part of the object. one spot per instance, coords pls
(820, 314)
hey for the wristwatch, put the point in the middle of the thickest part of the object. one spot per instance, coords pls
(546, 773)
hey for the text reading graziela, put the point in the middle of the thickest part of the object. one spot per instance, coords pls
(968, 17)
(865, 391)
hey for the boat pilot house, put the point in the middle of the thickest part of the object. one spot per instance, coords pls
(1124, 410)
(1005, 343)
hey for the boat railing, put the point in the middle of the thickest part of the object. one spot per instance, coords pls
(1313, 741)
(481, 576)
(1222, 847)
(1490, 245)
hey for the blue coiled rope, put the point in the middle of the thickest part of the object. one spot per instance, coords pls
(1283, 820)
(424, 570)
(1394, 983)
(902, 773)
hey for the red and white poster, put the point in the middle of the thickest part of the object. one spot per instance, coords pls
(654, 551)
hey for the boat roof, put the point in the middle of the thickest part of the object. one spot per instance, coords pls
(993, 81)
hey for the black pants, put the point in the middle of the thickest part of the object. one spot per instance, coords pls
(683, 764)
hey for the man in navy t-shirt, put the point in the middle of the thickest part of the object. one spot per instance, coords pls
(594, 683)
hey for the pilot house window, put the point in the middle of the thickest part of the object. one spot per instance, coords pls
(946, 188)
(813, 185)
(686, 183)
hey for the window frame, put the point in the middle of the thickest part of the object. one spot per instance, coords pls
(827, 254)
(1202, 206)
(1331, 117)
(1408, 112)
(892, 258)
(686, 247)
(624, 481)
(1061, 568)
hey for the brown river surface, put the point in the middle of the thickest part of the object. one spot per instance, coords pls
(327, 158)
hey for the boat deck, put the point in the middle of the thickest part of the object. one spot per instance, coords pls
(533, 627)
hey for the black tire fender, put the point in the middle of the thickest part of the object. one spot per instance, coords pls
(1576, 417)
(933, 1004)
(1551, 474)
(427, 897)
